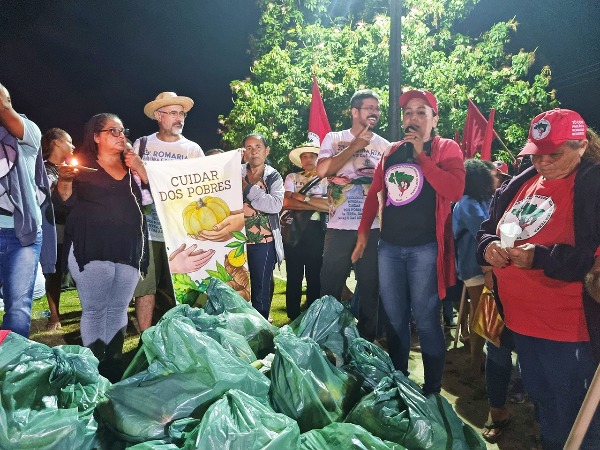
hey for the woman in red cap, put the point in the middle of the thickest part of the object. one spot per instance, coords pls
(538, 281)
(419, 176)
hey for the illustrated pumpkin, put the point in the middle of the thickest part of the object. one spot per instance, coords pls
(204, 214)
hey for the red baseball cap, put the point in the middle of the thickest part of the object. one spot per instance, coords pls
(425, 95)
(551, 129)
(501, 167)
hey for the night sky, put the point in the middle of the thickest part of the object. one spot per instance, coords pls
(66, 60)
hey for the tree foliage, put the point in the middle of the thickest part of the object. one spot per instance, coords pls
(346, 45)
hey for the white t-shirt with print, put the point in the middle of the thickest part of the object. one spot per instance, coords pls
(295, 181)
(157, 150)
(349, 187)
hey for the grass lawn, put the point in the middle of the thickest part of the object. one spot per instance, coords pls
(70, 311)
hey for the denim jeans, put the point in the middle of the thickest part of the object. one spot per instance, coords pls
(556, 377)
(261, 262)
(498, 369)
(408, 281)
(18, 269)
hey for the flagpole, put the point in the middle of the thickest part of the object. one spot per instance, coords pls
(505, 147)
(395, 69)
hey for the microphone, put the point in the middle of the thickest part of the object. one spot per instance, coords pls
(408, 147)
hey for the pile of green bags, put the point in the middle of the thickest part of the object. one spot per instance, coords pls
(48, 395)
(195, 384)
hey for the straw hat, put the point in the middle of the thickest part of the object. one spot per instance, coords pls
(306, 148)
(165, 99)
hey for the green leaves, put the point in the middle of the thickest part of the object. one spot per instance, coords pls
(220, 273)
(347, 48)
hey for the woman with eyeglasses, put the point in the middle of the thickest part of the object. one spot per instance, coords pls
(105, 236)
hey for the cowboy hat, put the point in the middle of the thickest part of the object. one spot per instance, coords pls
(167, 98)
(297, 152)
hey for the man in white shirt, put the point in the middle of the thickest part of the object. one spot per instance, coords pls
(348, 158)
(170, 111)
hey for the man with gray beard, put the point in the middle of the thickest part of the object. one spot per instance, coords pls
(170, 111)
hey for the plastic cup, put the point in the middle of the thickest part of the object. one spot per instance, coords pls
(508, 234)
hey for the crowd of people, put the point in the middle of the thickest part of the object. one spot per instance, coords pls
(411, 218)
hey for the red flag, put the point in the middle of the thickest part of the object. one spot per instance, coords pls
(486, 146)
(318, 124)
(474, 132)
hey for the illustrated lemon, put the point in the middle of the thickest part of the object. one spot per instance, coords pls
(236, 261)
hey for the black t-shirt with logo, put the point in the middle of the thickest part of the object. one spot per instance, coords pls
(412, 221)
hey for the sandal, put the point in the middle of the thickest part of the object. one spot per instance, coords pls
(492, 431)
(53, 326)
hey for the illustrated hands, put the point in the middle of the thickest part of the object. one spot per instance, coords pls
(359, 248)
(522, 256)
(496, 256)
(221, 232)
(189, 260)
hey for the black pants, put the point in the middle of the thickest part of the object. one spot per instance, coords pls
(339, 245)
(303, 259)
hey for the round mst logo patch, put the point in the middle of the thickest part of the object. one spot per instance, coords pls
(404, 183)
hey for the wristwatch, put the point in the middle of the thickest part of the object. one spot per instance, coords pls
(306, 199)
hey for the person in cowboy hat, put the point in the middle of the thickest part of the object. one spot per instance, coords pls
(169, 110)
(306, 255)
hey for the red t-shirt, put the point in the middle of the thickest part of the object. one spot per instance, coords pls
(534, 304)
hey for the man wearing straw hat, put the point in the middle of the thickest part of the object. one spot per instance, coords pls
(305, 256)
(169, 110)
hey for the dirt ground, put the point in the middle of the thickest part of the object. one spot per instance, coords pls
(470, 401)
(468, 397)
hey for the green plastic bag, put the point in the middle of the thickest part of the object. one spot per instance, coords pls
(369, 361)
(171, 343)
(198, 371)
(306, 386)
(330, 324)
(240, 317)
(398, 411)
(239, 421)
(48, 395)
(346, 436)
(153, 445)
(176, 331)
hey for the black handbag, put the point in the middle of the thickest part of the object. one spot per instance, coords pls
(293, 223)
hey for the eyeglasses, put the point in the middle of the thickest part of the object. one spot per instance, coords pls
(372, 109)
(174, 114)
(116, 132)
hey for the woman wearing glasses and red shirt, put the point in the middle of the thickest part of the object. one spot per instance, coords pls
(105, 242)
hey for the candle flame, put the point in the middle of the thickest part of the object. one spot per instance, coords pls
(74, 162)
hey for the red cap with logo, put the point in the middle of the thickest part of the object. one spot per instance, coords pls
(425, 95)
(551, 129)
(501, 167)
